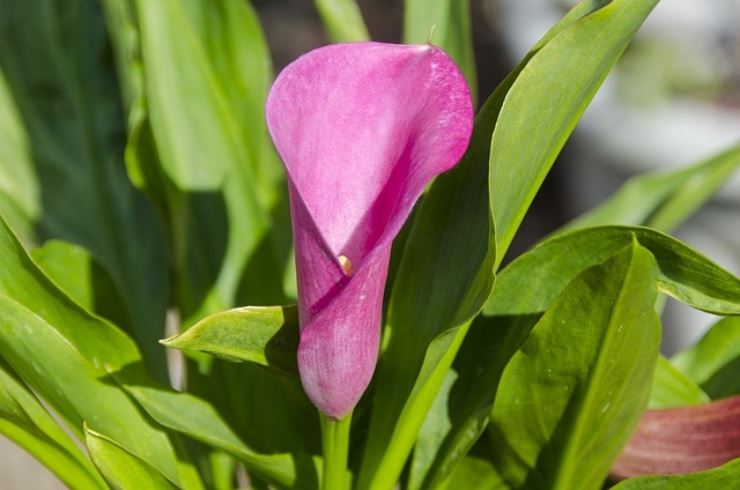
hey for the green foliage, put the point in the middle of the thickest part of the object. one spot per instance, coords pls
(723, 477)
(342, 20)
(263, 335)
(714, 361)
(556, 404)
(138, 175)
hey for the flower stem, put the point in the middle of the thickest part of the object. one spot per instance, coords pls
(335, 445)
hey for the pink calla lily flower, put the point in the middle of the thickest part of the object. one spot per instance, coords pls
(361, 128)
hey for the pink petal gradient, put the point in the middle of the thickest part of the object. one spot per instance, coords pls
(361, 128)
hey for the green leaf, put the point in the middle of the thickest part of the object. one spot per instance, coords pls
(19, 188)
(447, 24)
(121, 469)
(416, 359)
(672, 388)
(230, 230)
(83, 279)
(55, 58)
(545, 103)
(475, 474)
(342, 20)
(726, 476)
(462, 409)
(26, 422)
(265, 335)
(663, 200)
(61, 351)
(530, 283)
(426, 326)
(714, 362)
(571, 396)
(196, 418)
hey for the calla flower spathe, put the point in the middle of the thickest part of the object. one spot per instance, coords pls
(361, 128)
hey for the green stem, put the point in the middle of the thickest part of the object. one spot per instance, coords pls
(335, 445)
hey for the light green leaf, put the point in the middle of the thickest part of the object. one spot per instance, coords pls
(26, 422)
(546, 101)
(121, 469)
(61, 351)
(342, 20)
(447, 24)
(196, 418)
(475, 474)
(724, 477)
(79, 275)
(533, 280)
(54, 55)
(19, 189)
(265, 335)
(672, 388)
(663, 200)
(714, 362)
(570, 397)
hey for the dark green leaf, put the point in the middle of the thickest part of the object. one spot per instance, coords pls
(663, 200)
(342, 20)
(533, 280)
(54, 55)
(463, 407)
(61, 351)
(266, 335)
(672, 388)
(714, 362)
(545, 103)
(79, 275)
(121, 469)
(196, 418)
(27, 423)
(19, 188)
(571, 396)
(447, 24)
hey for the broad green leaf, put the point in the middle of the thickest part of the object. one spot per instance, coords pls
(230, 238)
(724, 477)
(714, 362)
(672, 388)
(266, 335)
(447, 24)
(26, 422)
(19, 189)
(571, 396)
(546, 101)
(533, 280)
(475, 474)
(198, 419)
(426, 326)
(61, 351)
(121, 469)
(663, 200)
(462, 409)
(54, 56)
(83, 279)
(342, 20)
